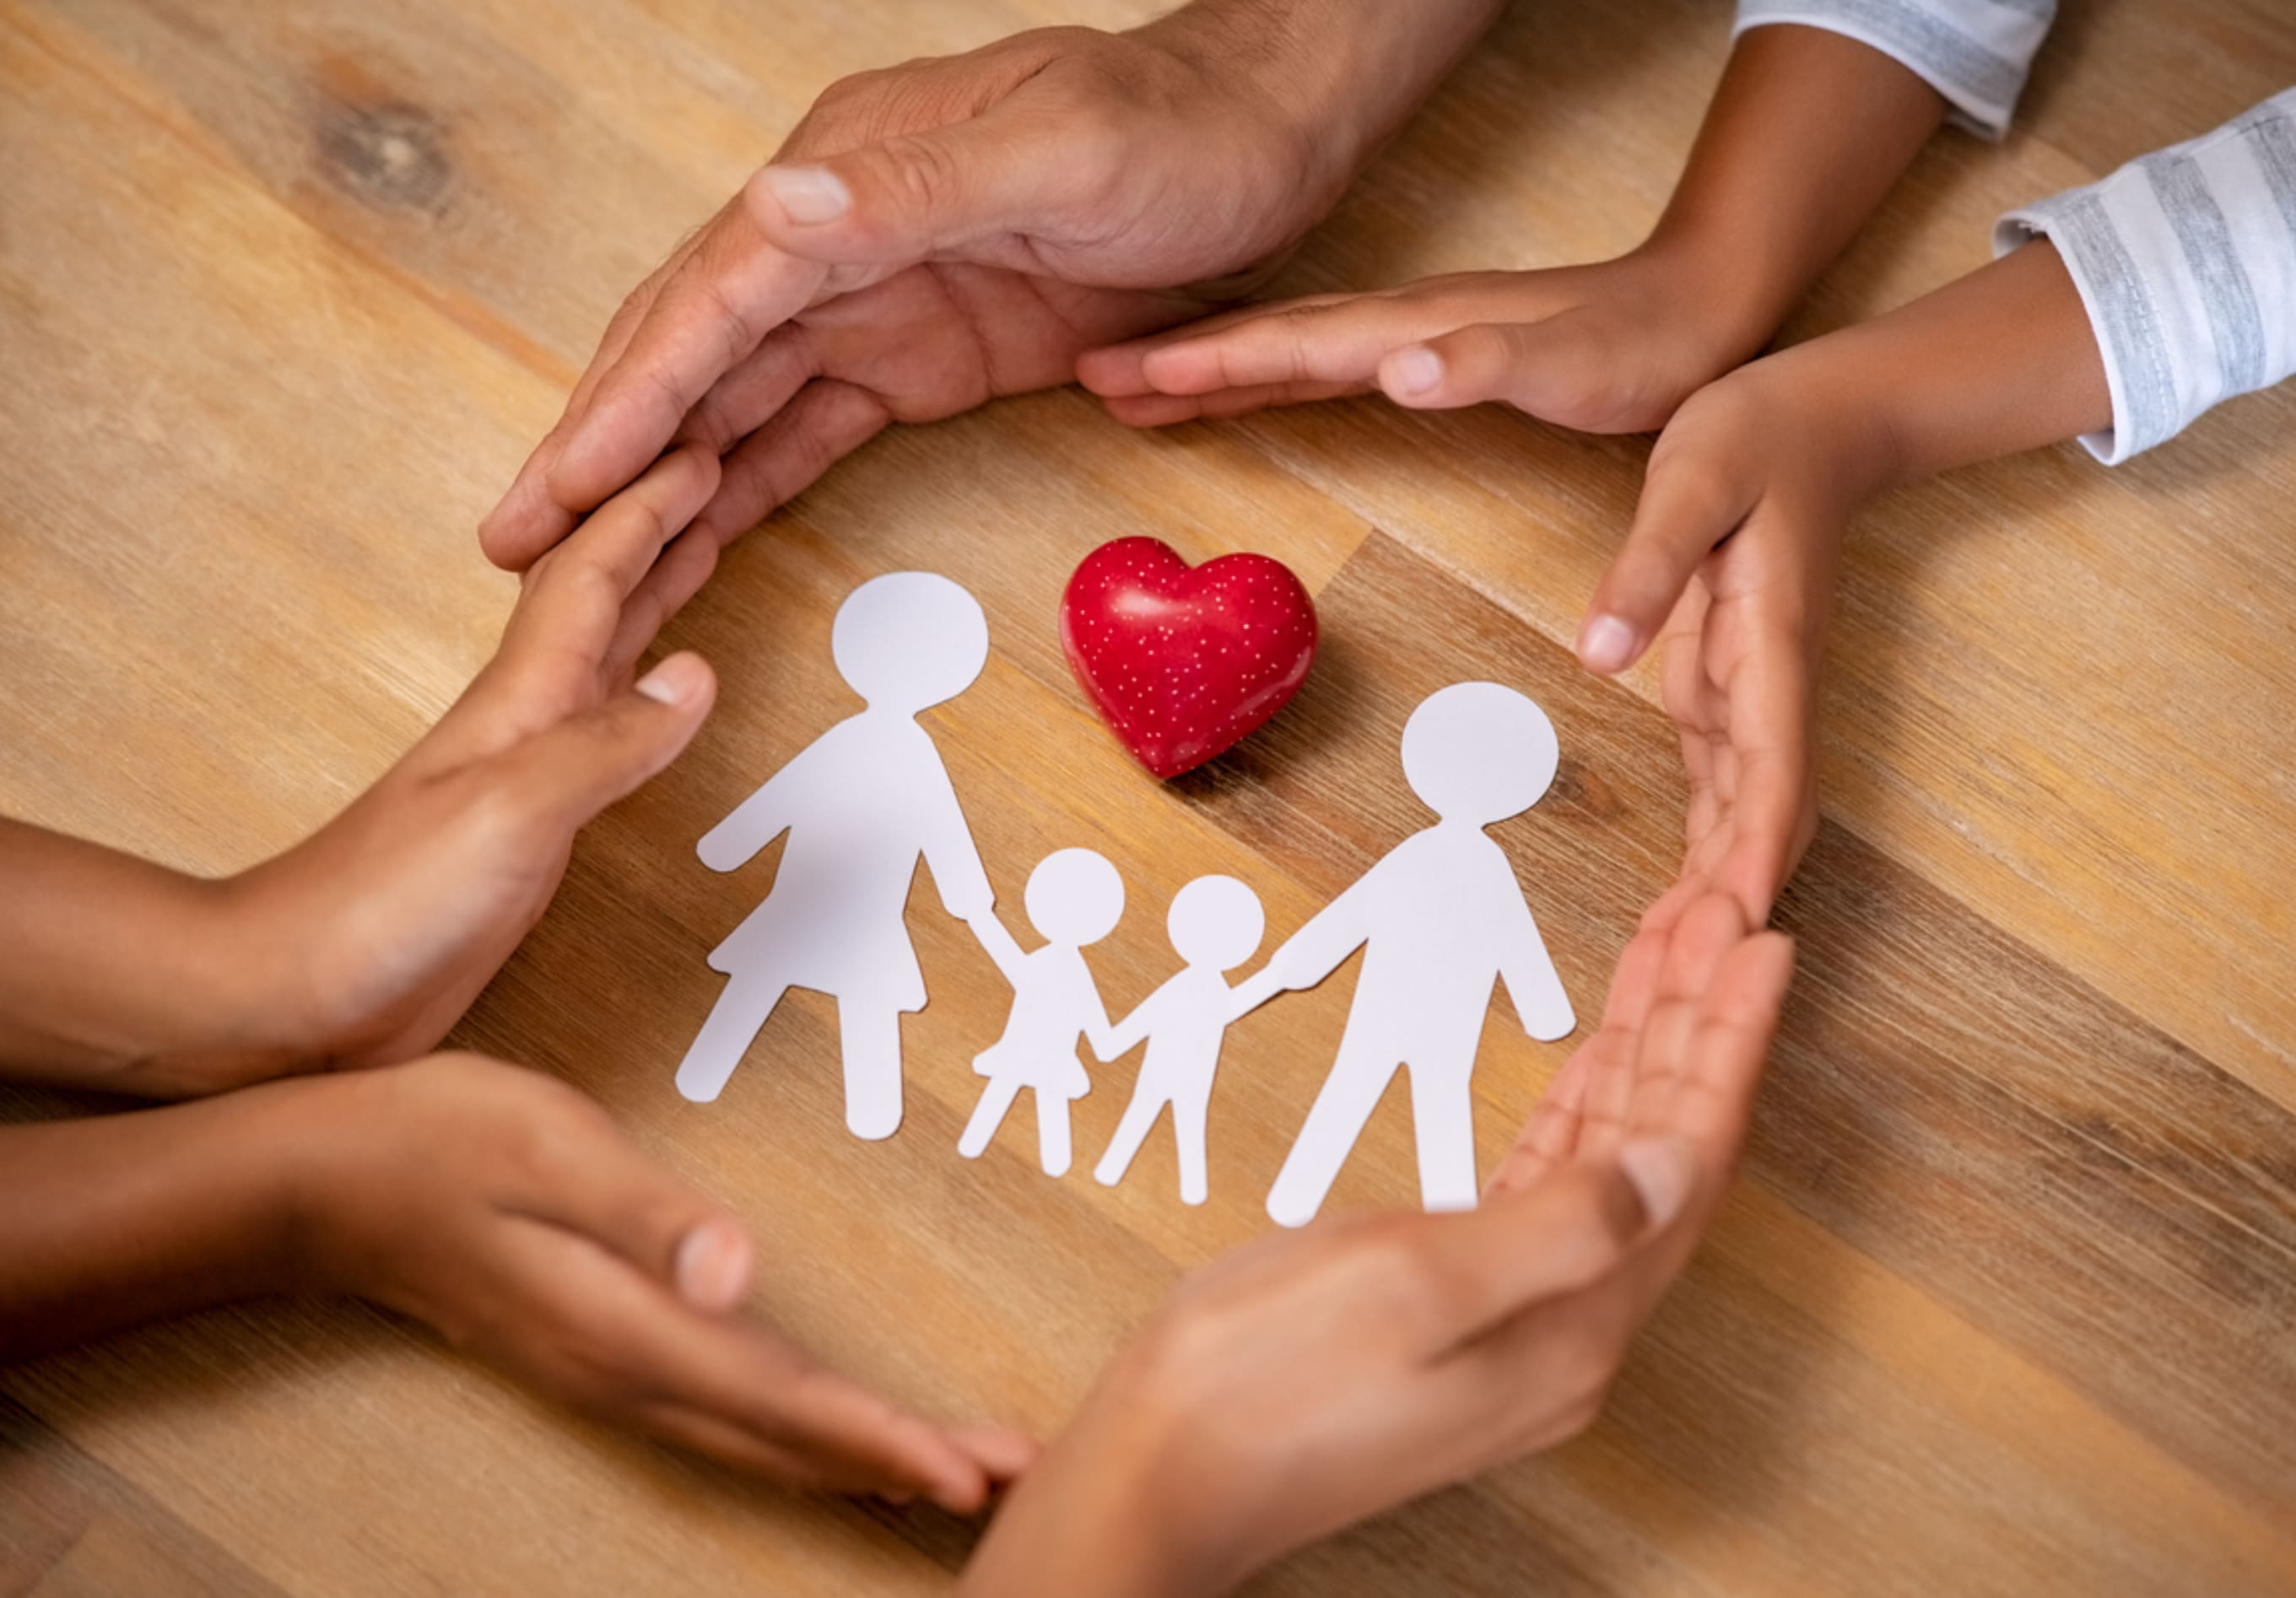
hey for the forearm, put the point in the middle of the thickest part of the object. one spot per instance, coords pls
(1999, 361)
(109, 1222)
(1807, 133)
(116, 973)
(1348, 73)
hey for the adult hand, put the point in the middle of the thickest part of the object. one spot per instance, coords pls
(1612, 347)
(1317, 1377)
(936, 234)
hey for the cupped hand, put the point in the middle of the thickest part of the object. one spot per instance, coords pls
(1317, 1377)
(1729, 567)
(933, 235)
(1612, 347)
(378, 930)
(503, 1210)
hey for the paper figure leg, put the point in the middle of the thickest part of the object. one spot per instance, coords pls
(870, 1035)
(1131, 1132)
(990, 1115)
(1351, 1093)
(725, 1037)
(1443, 1119)
(1188, 1134)
(1053, 1133)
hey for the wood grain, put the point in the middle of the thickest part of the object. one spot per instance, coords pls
(2006, 1301)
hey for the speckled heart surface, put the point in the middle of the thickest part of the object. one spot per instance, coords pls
(1183, 661)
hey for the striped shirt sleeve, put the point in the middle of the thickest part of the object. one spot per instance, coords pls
(2185, 261)
(1975, 53)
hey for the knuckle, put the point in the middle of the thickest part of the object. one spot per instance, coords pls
(921, 174)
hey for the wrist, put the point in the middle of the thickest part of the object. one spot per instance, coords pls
(1341, 77)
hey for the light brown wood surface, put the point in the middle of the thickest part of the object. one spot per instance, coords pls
(2005, 1302)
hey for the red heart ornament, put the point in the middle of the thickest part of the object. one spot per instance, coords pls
(1182, 661)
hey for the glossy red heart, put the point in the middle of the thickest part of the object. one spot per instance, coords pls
(1182, 661)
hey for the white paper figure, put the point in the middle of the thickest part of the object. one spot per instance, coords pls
(1214, 925)
(860, 804)
(1074, 898)
(1444, 918)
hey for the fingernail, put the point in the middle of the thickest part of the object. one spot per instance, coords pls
(668, 683)
(1662, 1170)
(1605, 643)
(807, 194)
(1413, 371)
(713, 1266)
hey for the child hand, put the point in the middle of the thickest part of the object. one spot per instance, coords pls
(506, 1210)
(387, 923)
(1729, 567)
(1612, 347)
(1320, 1376)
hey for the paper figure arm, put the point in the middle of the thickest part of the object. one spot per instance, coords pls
(957, 873)
(1096, 1029)
(1331, 934)
(999, 943)
(1531, 982)
(1133, 1030)
(763, 817)
(1252, 992)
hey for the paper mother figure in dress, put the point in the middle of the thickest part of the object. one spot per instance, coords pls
(860, 805)
(1444, 918)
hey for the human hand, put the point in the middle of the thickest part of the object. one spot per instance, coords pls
(1317, 1377)
(941, 233)
(503, 1210)
(1611, 348)
(1729, 567)
(376, 933)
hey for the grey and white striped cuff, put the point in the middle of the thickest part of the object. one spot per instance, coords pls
(2185, 261)
(1975, 53)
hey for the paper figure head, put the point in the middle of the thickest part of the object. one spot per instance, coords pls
(908, 641)
(1074, 896)
(1216, 921)
(1478, 752)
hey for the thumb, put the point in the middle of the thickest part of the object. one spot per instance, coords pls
(913, 195)
(1563, 369)
(1690, 503)
(584, 763)
(582, 1175)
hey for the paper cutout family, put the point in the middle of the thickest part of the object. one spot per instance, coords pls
(1440, 918)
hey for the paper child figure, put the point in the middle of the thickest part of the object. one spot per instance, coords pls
(1074, 898)
(860, 804)
(1215, 926)
(1444, 918)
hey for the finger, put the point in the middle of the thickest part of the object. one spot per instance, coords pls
(1559, 1237)
(564, 775)
(613, 1340)
(734, 290)
(1714, 1081)
(1551, 1133)
(827, 421)
(577, 1172)
(1305, 342)
(572, 599)
(1773, 813)
(1562, 370)
(905, 198)
(1688, 505)
(1115, 370)
(1707, 932)
(677, 577)
(752, 391)
(1610, 1091)
(1002, 1454)
(1163, 410)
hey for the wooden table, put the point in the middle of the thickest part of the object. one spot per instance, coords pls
(2005, 1301)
